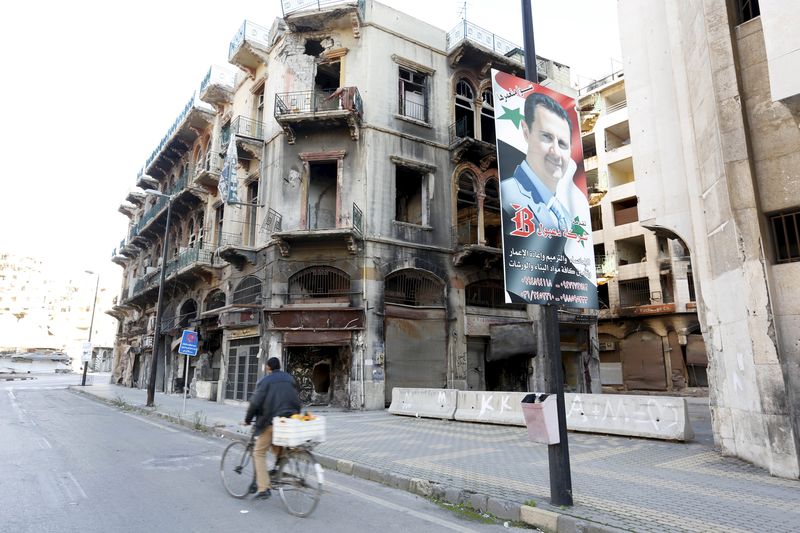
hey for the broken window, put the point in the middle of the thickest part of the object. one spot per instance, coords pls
(409, 195)
(414, 287)
(252, 212)
(318, 282)
(487, 118)
(491, 214)
(219, 216)
(467, 210)
(413, 94)
(322, 191)
(465, 110)
(215, 300)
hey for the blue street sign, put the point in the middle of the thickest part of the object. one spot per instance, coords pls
(188, 343)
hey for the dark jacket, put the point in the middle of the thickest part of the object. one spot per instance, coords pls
(275, 395)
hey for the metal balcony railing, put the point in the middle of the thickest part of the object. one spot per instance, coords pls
(459, 130)
(193, 103)
(616, 107)
(210, 164)
(467, 31)
(304, 102)
(354, 220)
(293, 6)
(602, 81)
(465, 233)
(243, 127)
(218, 76)
(189, 256)
(250, 32)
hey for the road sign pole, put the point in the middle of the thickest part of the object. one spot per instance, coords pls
(185, 380)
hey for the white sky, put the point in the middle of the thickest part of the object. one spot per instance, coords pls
(90, 87)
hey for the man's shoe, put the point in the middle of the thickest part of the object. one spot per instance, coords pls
(266, 495)
(273, 472)
(253, 488)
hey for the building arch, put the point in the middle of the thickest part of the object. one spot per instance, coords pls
(248, 291)
(319, 282)
(188, 312)
(414, 287)
(215, 299)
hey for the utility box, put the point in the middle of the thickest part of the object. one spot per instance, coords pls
(541, 418)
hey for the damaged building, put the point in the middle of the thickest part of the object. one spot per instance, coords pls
(364, 246)
(648, 330)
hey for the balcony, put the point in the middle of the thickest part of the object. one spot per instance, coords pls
(469, 250)
(196, 262)
(127, 209)
(136, 198)
(614, 76)
(207, 171)
(151, 223)
(349, 230)
(318, 15)
(249, 48)
(312, 110)
(145, 182)
(190, 124)
(236, 248)
(464, 146)
(217, 87)
(249, 135)
(118, 258)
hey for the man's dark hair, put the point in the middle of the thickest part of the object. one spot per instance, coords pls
(547, 102)
(274, 363)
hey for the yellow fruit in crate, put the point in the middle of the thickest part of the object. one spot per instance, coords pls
(296, 417)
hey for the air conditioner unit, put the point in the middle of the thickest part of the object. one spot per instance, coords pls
(608, 346)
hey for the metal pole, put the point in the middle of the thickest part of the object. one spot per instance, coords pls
(91, 327)
(558, 454)
(185, 380)
(151, 385)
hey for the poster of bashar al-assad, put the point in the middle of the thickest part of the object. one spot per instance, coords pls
(548, 256)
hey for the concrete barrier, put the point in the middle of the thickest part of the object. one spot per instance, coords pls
(655, 417)
(428, 403)
(490, 407)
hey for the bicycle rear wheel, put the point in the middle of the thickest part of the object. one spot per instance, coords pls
(237, 469)
(299, 481)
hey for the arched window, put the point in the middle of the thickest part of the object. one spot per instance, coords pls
(491, 214)
(465, 110)
(248, 291)
(487, 118)
(414, 287)
(467, 210)
(187, 313)
(215, 300)
(319, 282)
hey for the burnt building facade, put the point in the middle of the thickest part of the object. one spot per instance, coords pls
(364, 246)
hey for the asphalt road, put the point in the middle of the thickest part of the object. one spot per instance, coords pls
(72, 464)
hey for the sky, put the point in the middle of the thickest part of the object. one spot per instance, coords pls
(90, 88)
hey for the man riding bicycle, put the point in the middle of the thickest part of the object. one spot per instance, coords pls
(275, 395)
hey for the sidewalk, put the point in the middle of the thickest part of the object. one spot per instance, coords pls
(623, 483)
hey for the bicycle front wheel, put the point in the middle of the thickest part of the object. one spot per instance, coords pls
(237, 469)
(299, 481)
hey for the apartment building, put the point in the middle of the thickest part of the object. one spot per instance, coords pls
(363, 248)
(714, 93)
(648, 329)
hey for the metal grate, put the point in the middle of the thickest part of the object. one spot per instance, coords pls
(215, 300)
(786, 236)
(318, 282)
(414, 287)
(488, 293)
(634, 292)
(248, 291)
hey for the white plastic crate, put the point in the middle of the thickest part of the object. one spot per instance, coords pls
(294, 432)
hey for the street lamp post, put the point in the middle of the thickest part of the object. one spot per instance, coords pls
(151, 384)
(91, 326)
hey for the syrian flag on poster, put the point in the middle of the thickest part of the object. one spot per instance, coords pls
(228, 182)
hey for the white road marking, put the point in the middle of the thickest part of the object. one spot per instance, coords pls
(78, 485)
(140, 419)
(11, 394)
(422, 516)
(44, 444)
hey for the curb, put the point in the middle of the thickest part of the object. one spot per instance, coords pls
(15, 378)
(547, 521)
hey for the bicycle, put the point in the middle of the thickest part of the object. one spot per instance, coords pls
(298, 477)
